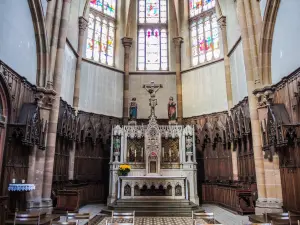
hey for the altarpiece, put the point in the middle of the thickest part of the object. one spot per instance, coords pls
(162, 159)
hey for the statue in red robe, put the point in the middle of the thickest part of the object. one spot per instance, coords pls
(171, 109)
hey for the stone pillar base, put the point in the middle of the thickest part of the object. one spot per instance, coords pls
(110, 200)
(268, 206)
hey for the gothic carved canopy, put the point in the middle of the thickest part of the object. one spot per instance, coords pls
(29, 128)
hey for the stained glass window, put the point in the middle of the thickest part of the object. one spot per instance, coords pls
(101, 31)
(108, 7)
(204, 31)
(199, 6)
(152, 35)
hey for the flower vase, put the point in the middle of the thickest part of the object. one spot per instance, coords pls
(122, 173)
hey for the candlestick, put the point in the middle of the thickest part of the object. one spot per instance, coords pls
(134, 153)
(163, 152)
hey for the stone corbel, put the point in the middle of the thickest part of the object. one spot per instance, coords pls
(222, 22)
(44, 97)
(83, 24)
(264, 96)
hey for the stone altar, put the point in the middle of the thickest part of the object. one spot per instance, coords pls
(162, 160)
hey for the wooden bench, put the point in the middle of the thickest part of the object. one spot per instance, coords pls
(208, 217)
(45, 219)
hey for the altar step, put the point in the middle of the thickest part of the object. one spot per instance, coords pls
(155, 207)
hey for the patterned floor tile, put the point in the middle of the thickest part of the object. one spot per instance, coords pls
(155, 221)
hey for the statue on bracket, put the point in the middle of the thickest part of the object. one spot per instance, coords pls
(133, 111)
(172, 111)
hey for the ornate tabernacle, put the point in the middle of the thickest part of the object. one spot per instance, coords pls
(162, 159)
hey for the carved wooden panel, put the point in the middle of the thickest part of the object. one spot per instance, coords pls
(23, 131)
(3, 208)
(280, 127)
(217, 135)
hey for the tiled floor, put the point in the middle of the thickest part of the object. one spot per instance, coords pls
(93, 209)
(156, 221)
(224, 216)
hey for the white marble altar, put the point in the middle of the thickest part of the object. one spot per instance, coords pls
(162, 160)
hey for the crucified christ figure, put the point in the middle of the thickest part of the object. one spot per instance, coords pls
(152, 89)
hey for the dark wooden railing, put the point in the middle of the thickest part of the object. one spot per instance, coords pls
(229, 196)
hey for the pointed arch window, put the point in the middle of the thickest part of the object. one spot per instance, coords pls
(204, 31)
(152, 35)
(101, 31)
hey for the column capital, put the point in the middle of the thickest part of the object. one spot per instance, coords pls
(264, 96)
(127, 41)
(44, 97)
(222, 22)
(178, 41)
(83, 23)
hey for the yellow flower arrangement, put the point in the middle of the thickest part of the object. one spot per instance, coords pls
(124, 169)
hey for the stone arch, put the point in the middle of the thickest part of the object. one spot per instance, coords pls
(41, 41)
(266, 40)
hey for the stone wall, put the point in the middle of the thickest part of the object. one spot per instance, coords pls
(285, 51)
(68, 76)
(204, 90)
(101, 90)
(17, 38)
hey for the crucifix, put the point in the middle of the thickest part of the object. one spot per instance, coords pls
(152, 88)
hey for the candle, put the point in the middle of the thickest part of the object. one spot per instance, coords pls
(13, 181)
(163, 152)
(23, 181)
(134, 153)
(142, 153)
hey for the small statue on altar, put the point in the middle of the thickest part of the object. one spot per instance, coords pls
(133, 110)
(172, 111)
(117, 144)
(189, 144)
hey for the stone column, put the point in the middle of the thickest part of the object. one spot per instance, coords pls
(256, 137)
(31, 176)
(83, 23)
(222, 24)
(127, 42)
(252, 41)
(72, 161)
(44, 98)
(257, 21)
(271, 166)
(53, 40)
(177, 42)
(49, 18)
(51, 138)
